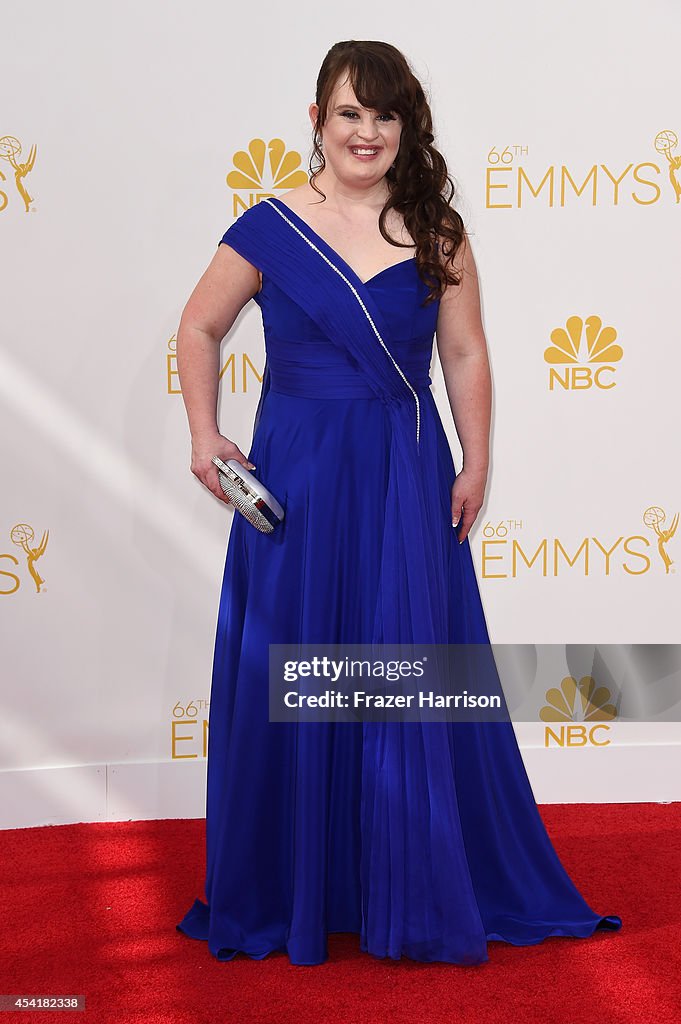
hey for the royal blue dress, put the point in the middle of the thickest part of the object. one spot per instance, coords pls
(422, 838)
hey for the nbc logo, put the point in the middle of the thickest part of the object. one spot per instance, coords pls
(263, 168)
(578, 712)
(582, 354)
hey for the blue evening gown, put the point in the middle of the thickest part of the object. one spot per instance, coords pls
(423, 838)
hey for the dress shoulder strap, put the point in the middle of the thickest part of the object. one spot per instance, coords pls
(248, 234)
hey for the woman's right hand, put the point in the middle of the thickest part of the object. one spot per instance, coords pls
(202, 466)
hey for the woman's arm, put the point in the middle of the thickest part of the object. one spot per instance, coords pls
(227, 284)
(462, 349)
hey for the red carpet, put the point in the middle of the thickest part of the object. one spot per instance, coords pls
(91, 910)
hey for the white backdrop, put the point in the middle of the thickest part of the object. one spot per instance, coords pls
(111, 552)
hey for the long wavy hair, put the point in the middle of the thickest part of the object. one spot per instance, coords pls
(420, 186)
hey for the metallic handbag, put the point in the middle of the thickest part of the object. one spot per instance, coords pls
(249, 495)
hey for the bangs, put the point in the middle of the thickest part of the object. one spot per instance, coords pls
(375, 84)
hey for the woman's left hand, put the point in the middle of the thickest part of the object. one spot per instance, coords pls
(468, 494)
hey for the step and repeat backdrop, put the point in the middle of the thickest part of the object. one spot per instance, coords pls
(131, 136)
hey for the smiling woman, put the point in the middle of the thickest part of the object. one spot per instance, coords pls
(422, 838)
(384, 124)
(363, 130)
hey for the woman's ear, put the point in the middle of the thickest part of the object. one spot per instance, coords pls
(313, 111)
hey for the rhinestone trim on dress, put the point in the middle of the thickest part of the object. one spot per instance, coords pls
(365, 310)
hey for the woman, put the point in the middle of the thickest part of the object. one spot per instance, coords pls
(423, 838)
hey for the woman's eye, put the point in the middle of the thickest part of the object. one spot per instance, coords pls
(353, 113)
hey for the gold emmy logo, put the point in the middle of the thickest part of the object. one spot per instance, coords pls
(189, 725)
(665, 142)
(263, 168)
(22, 535)
(653, 517)
(585, 350)
(580, 709)
(240, 369)
(172, 376)
(510, 184)
(10, 150)
(508, 553)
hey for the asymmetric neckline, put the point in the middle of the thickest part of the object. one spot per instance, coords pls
(334, 252)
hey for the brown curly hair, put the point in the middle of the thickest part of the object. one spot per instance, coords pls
(420, 187)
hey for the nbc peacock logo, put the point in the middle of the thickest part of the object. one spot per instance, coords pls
(261, 170)
(578, 713)
(583, 355)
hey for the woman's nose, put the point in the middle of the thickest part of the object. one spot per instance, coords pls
(367, 132)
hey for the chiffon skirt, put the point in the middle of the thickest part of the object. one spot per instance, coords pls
(313, 827)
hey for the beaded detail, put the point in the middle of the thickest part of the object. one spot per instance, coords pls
(365, 310)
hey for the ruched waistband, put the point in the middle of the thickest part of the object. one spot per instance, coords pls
(307, 381)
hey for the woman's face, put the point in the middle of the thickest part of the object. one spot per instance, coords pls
(359, 144)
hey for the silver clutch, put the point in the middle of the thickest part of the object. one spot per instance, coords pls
(249, 495)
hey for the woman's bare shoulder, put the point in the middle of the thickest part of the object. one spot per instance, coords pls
(299, 198)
